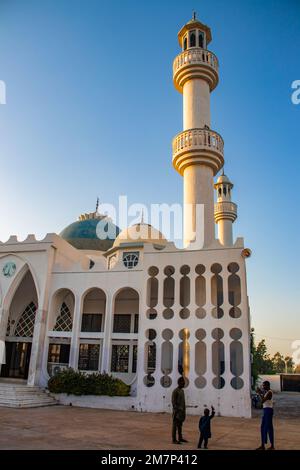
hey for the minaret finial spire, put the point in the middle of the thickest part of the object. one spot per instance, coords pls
(142, 216)
(194, 15)
(223, 170)
(97, 205)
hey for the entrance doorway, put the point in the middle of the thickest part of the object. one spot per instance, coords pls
(17, 360)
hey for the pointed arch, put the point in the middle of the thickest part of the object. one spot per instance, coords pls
(62, 310)
(18, 278)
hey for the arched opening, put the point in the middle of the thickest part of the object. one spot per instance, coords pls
(150, 358)
(20, 329)
(217, 297)
(192, 39)
(200, 286)
(60, 330)
(218, 358)
(93, 311)
(125, 334)
(201, 40)
(185, 44)
(184, 353)
(92, 323)
(166, 357)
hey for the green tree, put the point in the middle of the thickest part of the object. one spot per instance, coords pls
(262, 359)
(278, 363)
(261, 362)
(290, 365)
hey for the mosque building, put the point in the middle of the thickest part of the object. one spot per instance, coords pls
(137, 306)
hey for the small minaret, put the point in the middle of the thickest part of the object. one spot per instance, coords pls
(198, 150)
(225, 210)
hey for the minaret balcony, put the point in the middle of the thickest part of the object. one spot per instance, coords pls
(196, 147)
(225, 210)
(195, 63)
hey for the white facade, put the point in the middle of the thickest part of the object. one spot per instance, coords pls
(142, 309)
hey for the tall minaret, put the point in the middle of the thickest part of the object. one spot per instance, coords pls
(225, 210)
(197, 151)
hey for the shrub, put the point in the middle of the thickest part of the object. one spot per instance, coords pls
(75, 382)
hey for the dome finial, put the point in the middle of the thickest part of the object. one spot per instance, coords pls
(142, 216)
(223, 170)
(194, 15)
(97, 205)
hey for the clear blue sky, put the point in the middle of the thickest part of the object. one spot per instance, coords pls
(91, 110)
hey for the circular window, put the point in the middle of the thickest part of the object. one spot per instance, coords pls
(168, 314)
(237, 383)
(216, 268)
(149, 380)
(151, 314)
(200, 334)
(169, 270)
(200, 269)
(235, 333)
(166, 381)
(153, 271)
(184, 334)
(150, 334)
(200, 382)
(184, 270)
(167, 334)
(184, 313)
(130, 260)
(233, 268)
(217, 333)
(235, 312)
(200, 312)
(218, 382)
(217, 312)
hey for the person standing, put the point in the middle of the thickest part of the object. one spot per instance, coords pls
(178, 404)
(266, 429)
(204, 427)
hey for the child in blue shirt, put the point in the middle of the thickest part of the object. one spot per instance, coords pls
(204, 427)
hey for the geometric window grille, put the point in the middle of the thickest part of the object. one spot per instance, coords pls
(120, 358)
(64, 319)
(130, 260)
(8, 328)
(25, 325)
(122, 323)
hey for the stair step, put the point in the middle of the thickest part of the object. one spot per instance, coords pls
(22, 396)
(26, 405)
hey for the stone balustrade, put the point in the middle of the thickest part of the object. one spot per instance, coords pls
(195, 63)
(203, 145)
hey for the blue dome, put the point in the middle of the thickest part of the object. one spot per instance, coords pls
(83, 233)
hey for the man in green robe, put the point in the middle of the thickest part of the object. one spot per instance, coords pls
(178, 403)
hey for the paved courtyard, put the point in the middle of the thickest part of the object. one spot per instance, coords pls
(63, 427)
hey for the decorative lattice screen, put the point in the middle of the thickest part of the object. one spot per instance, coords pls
(122, 323)
(120, 358)
(64, 319)
(25, 325)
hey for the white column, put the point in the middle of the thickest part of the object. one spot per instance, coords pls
(74, 350)
(225, 232)
(198, 189)
(196, 104)
(37, 348)
(109, 312)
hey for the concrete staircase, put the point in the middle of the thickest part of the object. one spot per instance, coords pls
(19, 395)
